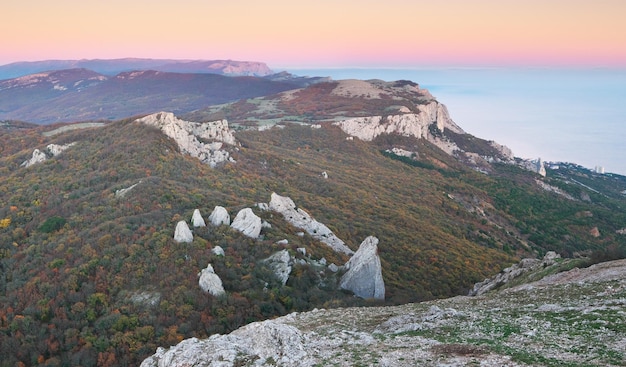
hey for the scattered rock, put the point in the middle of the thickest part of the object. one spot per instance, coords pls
(325, 175)
(211, 282)
(301, 250)
(334, 268)
(595, 232)
(364, 273)
(282, 242)
(219, 216)
(183, 233)
(247, 223)
(197, 219)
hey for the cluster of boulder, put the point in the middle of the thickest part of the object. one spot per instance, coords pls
(363, 272)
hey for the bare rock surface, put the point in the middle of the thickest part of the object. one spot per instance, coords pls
(301, 219)
(197, 220)
(219, 216)
(364, 272)
(515, 271)
(247, 223)
(210, 282)
(183, 234)
(571, 318)
(199, 140)
(280, 262)
(52, 150)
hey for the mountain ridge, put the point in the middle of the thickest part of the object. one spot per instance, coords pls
(115, 66)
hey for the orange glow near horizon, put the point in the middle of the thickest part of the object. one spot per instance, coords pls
(324, 33)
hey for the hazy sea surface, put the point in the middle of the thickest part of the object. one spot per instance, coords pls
(568, 115)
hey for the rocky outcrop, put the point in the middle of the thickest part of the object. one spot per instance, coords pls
(247, 223)
(197, 220)
(535, 165)
(121, 193)
(52, 150)
(513, 272)
(210, 282)
(409, 124)
(301, 219)
(260, 343)
(219, 216)
(364, 272)
(280, 263)
(200, 140)
(183, 234)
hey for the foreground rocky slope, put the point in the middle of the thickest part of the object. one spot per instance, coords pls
(572, 318)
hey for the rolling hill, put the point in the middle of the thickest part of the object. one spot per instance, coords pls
(94, 277)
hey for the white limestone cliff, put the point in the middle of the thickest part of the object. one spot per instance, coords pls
(39, 156)
(183, 234)
(409, 124)
(211, 282)
(301, 219)
(219, 216)
(364, 272)
(247, 223)
(191, 136)
(197, 219)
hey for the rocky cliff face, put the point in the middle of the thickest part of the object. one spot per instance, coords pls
(200, 140)
(418, 125)
(364, 272)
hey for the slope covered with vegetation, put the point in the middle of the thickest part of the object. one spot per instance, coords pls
(90, 278)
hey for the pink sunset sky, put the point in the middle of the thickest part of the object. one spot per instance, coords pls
(321, 33)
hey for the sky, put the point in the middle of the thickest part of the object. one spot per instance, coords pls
(321, 33)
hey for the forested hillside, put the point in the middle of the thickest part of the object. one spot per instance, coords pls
(90, 278)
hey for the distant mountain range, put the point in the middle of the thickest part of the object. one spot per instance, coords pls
(116, 66)
(80, 94)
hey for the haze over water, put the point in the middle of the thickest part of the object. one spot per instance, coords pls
(566, 115)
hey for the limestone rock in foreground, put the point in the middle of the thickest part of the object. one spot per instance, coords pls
(219, 216)
(247, 223)
(197, 219)
(211, 282)
(259, 343)
(364, 276)
(190, 136)
(183, 233)
(301, 219)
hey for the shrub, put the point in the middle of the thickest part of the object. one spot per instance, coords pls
(52, 224)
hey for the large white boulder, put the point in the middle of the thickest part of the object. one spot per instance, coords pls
(197, 220)
(280, 264)
(364, 272)
(211, 282)
(301, 219)
(219, 216)
(247, 223)
(183, 233)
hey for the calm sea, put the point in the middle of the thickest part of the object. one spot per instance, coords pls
(569, 115)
